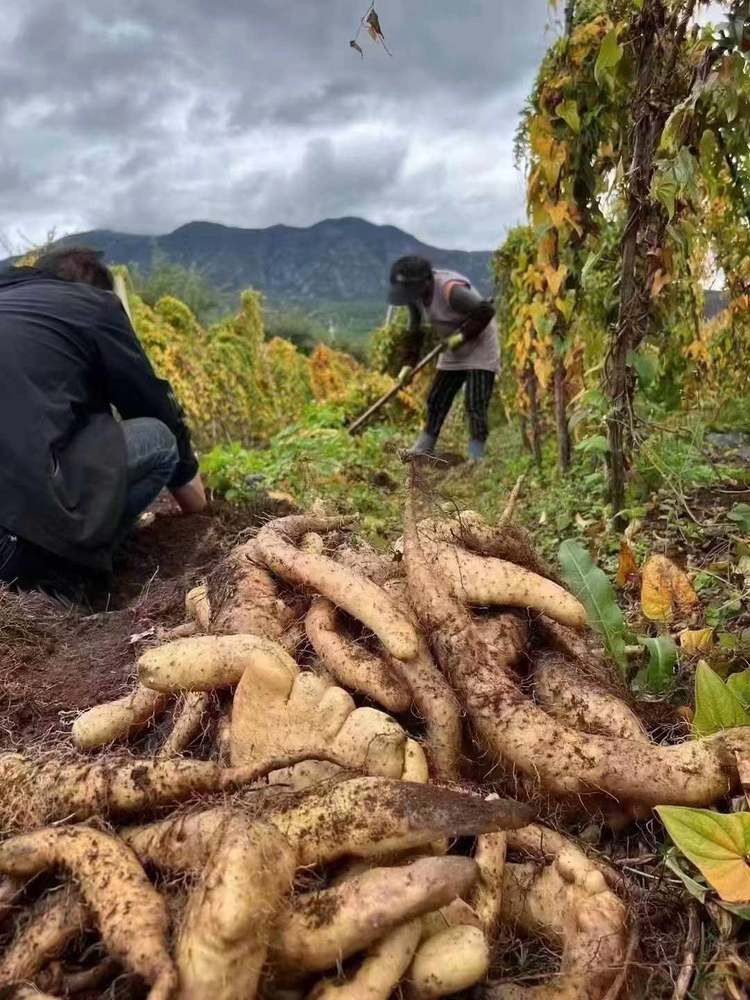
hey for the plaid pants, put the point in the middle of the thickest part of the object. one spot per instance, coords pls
(479, 386)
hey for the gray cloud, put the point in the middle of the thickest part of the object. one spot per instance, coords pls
(142, 116)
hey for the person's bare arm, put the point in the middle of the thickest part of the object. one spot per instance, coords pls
(469, 303)
(191, 498)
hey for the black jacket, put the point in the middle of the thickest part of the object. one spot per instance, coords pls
(67, 355)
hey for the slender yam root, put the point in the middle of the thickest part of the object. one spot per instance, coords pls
(416, 766)
(198, 607)
(574, 647)
(227, 925)
(575, 700)
(367, 817)
(117, 720)
(323, 928)
(357, 595)
(188, 723)
(353, 666)
(49, 791)
(451, 961)
(114, 888)
(245, 598)
(487, 899)
(508, 541)
(54, 922)
(562, 760)
(29, 993)
(569, 905)
(381, 970)
(433, 698)
(209, 662)
(456, 914)
(485, 581)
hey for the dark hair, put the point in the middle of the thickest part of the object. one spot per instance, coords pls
(77, 264)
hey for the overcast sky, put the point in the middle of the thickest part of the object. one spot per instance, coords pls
(141, 115)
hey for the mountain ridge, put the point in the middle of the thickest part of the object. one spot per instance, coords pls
(334, 260)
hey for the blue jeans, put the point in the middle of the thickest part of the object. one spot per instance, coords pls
(151, 458)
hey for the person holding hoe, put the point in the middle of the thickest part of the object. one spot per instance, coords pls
(465, 321)
(75, 478)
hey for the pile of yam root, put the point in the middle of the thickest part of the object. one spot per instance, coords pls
(328, 783)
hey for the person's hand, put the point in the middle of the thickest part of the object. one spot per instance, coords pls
(191, 498)
(454, 341)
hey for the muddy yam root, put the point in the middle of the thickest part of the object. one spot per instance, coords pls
(345, 588)
(117, 720)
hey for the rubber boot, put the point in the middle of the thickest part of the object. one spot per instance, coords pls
(424, 444)
(476, 450)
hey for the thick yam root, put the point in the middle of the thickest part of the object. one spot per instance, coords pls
(323, 928)
(198, 607)
(245, 598)
(575, 700)
(353, 666)
(563, 761)
(574, 647)
(114, 889)
(488, 897)
(453, 960)
(208, 662)
(52, 925)
(49, 791)
(569, 905)
(482, 581)
(416, 766)
(381, 970)
(367, 562)
(456, 914)
(117, 720)
(367, 817)
(357, 595)
(188, 723)
(225, 931)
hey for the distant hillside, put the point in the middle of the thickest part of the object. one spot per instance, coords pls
(338, 260)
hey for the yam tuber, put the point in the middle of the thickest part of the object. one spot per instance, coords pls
(245, 598)
(224, 936)
(573, 699)
(487, 898)
(209, 662)
(352, 664)
(562, 760)
(381, 971)
(188, 723)
(198, 607)
(357, 595)
(451, 961)
(326, 927)
(129, 912)
(54, 922)
(117, 720)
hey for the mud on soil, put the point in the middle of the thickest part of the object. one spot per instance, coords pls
(58, 658)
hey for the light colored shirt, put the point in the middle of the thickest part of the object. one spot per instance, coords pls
(480, 354)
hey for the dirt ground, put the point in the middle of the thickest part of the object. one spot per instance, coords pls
(58, 658)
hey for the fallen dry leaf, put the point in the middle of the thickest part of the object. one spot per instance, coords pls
(666, 591)
(694, 641)
(627, 568)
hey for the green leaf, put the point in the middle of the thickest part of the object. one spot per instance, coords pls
(591, 261)
(568, 111)
(609, 56)
(740, 514)
(593, 589)
(739, 685)
(685, 169)
(695, 888)
(716, 843)
(658, 675)
(646, 366)
(664, 190)
(597, 445)
(708, 147)
(716, 706)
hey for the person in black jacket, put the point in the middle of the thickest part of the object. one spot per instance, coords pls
(74, 477)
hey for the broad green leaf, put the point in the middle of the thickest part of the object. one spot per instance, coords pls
(568, 111)
(593, 589)
(708, 147)
(664, 190)
(609, 56)
(716, 706)
(645, 365)
(588, 268)
(597, 445)
(716, 843)
(685, 169)
(658, 675)
(739, 685)
(740, 514)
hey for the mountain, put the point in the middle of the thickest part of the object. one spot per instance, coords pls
(338, 260)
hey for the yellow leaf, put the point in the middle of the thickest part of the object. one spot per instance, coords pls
(716, 843)
(661, 280)
(666, 591)
(558, 213)
(627, 568)
(555, 277)
(694, 641)
(544, 368)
